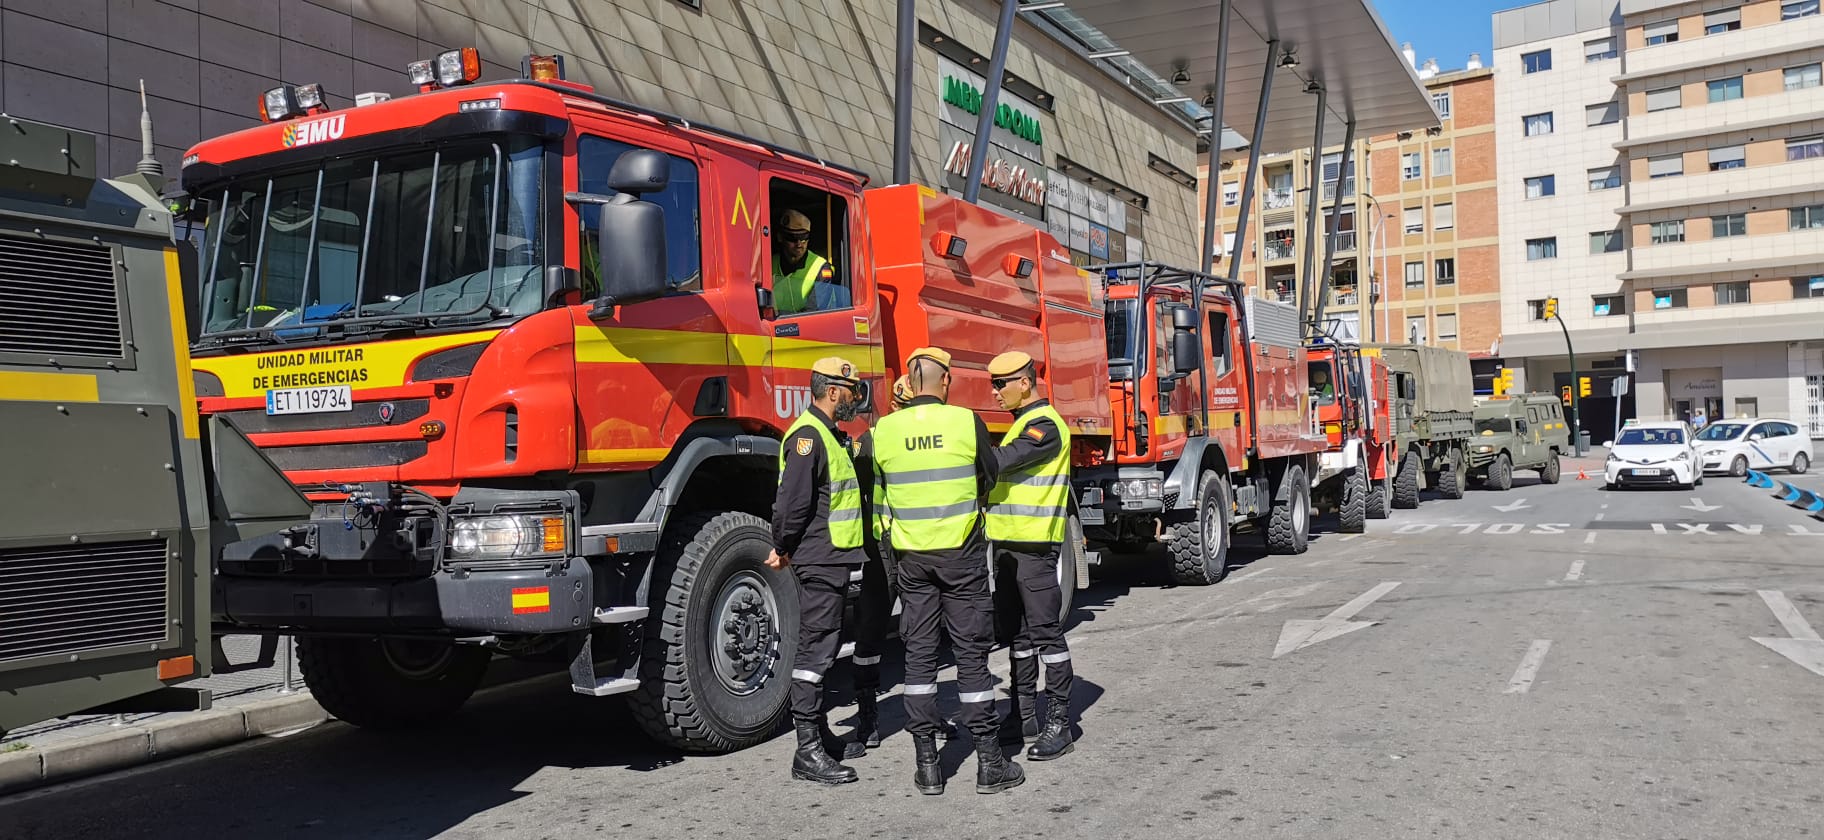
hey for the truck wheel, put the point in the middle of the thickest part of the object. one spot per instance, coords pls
(1289, 524)
(1354, 510)
(1067, 567)
(1452, 479)
(1380, 498)
(1406, 483)
(1199, 549)
(1549, 473)
(390, 683)
(722, 637)
(1501, 473)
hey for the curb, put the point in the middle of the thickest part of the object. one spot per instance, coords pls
(131, 746)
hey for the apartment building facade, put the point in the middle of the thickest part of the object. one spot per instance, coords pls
(1659, 169)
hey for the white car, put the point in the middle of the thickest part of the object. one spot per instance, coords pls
(1662, 453)
(1739, 444)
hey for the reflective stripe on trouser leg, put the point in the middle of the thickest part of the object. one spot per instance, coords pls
(1043, 600)
(821, 592)
(873, 613)
(918, 629)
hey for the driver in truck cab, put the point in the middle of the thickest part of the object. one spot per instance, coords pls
(803, 281)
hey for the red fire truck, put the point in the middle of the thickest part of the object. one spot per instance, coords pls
(1214, 427)
(1355, 471)
(520, 345)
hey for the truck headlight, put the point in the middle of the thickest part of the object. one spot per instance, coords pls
(1140, 488)
(506, 537)
(1484, 449)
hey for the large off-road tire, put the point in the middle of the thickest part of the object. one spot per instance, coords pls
(1548, 474)
(1406, 482)
(1501, 473)
(1068, 553)
(1380, 497)
(721, 639)
(1354, 508)
(1289, 523)
(1199, 549)
(1453, 480)
(390, 683)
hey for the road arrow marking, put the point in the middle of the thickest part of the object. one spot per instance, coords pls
(1802, 531)
(1804, 647)
(1297, 635)
(1517, 504)
(1529, 667)
(1576, 572)
(1698, 505)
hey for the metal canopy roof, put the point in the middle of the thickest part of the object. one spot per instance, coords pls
(1341, 44)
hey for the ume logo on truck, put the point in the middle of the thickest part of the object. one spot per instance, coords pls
(315, 131)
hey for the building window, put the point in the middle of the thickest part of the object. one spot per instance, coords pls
(1599, 49)
(1541, 186)
(1415, 275)
(1801, 148)
(1803, 76)
(1411, 166)
(1440, 102)
(1798, 8)
(1805, 218)
(1663, 32)
(1726, 20)
(1608, 306)
(1731, 224)
(1662, 233)
(1663, 99)
(1537, 125)
(1534, 62)
(1443, 216)
(1537, 308)
(1280, 245)
(1808, 287)
(1665, 166)
(1446, 269)
(1669, 299)
(1728, 157)
(1723, 90)
(1231, 194)
(1440, 162)
(1415, 329)
(1729, 294)
(1607, 112)
(1545, 248)
(1605, 178)
(1415, 219)
(1605, 241)
(1447, 326)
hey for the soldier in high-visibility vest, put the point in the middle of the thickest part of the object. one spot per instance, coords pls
(1028, 515)
(934, 464)
(817, 532)
(803, 280)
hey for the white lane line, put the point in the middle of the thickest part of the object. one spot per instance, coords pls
(1605, 505)
(1529, 667)
(1601, 516)
(1576, 572)
(1249, 576)
(1589, 538)
(1350, 537)
(1796, 625)
(1324, 562)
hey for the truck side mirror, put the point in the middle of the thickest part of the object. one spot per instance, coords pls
(1186, 350)
(1184, 318)
(631, 236)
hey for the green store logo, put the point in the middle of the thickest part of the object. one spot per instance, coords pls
(968, 97)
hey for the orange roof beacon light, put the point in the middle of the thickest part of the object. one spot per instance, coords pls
(542, 68)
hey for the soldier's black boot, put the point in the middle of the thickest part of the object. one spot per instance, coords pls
(836, 746)
(1022, 719)
(1055, 740)
(867, 721)
(812, 763)
(929, 778)
(993, 772)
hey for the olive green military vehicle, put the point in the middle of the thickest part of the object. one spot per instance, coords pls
(115, 495)
(1433, 418)
(1517, 432)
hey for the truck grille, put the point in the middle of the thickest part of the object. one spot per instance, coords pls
(58, 601)
(58, 299)
(342, 456)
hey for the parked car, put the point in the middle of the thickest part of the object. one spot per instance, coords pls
(1660, 452)
(1737, 445)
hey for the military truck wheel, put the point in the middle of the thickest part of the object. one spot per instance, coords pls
(1501, 473)
(1354, 510)
(1548, 474)
(390, 683)
(1380, 498)
(1452, 480)
(1199, 549)
(1406, 483)
(1289, 524)
(723, 634)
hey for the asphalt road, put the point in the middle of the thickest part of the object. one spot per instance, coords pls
(1579, 664)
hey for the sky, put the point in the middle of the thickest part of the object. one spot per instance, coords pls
(1447, 31)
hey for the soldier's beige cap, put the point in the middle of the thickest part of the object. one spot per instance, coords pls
(932, 353)
(1008, 363)
(836, 367)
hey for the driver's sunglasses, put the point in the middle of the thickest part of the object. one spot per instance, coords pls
(796, 235)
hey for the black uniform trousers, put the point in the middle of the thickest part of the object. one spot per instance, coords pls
(951, 586)
(821, 591)
(873, 614)
(1027, 602)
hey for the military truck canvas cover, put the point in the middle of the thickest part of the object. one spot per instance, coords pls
(1442, 376)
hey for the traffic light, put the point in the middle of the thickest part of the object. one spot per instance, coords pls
(1507, 380)
(1551, 308)
(1564, 393)
(1583, 386)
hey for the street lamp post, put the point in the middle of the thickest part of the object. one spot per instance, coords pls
(1374, 273)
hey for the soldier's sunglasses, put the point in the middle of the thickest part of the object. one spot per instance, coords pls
(795, 235)
(1001, 382)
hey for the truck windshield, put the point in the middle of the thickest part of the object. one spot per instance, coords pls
(1494, 425)
(443, 234)
(1123, 338)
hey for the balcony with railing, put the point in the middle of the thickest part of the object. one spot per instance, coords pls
(1280, 247)
(1277, 199)
(1345, 241)
(1330, 189)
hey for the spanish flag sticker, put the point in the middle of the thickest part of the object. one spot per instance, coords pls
(531, 599)
(1035, 434)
